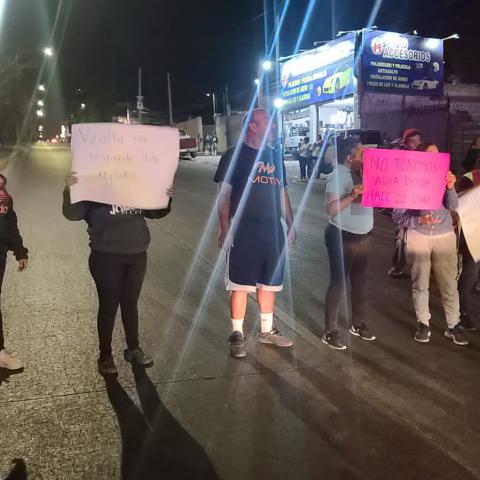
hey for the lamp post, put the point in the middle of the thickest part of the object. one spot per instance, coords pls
(455, 36)
(213, 103)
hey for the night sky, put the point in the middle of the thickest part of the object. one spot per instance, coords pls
(205, 44)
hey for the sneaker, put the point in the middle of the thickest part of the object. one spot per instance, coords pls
(466, 323)
(106, 366)
(274, 338)
(9, 361)
(456, 335)
(333, 340)
(395, 273)
(423, 333)
(236, 345)
(138, 357)
(363, 332)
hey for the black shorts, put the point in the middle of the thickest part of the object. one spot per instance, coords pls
(256, 259)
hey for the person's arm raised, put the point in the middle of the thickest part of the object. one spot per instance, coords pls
(72, 211)
(162, 212)
(336, 204)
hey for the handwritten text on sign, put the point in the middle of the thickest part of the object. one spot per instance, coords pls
(469, 214)
(130, 165)
(404, 179)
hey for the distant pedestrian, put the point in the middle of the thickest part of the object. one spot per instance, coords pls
(410, 140)
(304, 154)
(313, 165)
(431, 243)
(119, 239)
(207, 142)
(252, 201)
(347, 241)
(214, 143)
(10, 239)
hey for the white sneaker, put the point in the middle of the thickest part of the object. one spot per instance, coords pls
(9, 361)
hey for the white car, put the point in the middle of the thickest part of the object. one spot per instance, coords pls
(425, 84)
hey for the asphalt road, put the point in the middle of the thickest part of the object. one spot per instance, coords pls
(391, 409)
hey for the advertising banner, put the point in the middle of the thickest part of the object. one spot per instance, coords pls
(404, 179)
(469, 214)
(323, 74)
(403, 64)
(127, 165)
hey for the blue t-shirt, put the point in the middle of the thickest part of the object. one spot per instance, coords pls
(355, 218)
(257, 179)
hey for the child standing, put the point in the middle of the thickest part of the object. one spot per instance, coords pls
(10, 239)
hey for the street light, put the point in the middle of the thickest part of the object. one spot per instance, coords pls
(83, 106)
(40, 103)
(40, 113)
(267, 65)
(213, 102)
(41, 87)
(455, 36)
(48, 51)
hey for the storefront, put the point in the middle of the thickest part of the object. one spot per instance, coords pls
(326, 87)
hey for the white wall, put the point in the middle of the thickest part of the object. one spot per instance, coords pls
(192, 126)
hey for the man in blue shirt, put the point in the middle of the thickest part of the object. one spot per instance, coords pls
(347, 242)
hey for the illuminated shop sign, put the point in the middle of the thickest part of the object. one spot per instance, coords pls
(320, 75)
(399, 63)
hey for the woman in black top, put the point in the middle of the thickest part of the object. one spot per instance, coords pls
(119, 239)
(10, 239)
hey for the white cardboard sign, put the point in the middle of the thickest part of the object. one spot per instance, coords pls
(129, 165)
(469, 213)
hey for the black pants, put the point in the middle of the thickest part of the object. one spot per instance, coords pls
(467, 281)
(347, 254)
(303, 161)
(119, 280)
(3, 262)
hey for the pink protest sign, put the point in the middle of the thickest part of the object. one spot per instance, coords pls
(404, 179)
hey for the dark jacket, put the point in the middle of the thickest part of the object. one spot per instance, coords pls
(10, 238)
(113, 228)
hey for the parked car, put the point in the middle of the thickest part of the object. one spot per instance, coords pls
(328, 163)
(188, 145)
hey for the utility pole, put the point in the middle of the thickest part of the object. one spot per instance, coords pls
(334, 27)
(139, 96)
(169, 87)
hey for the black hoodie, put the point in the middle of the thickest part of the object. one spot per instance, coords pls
(10, 238)
(113, 228)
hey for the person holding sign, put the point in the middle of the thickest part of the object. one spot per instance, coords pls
(251, 203)
(119, 239)
(431, 243)
(470, 268)
(411, 139)
(347, 242)
(10, 239)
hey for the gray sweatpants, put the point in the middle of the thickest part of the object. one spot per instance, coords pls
(439, 252)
